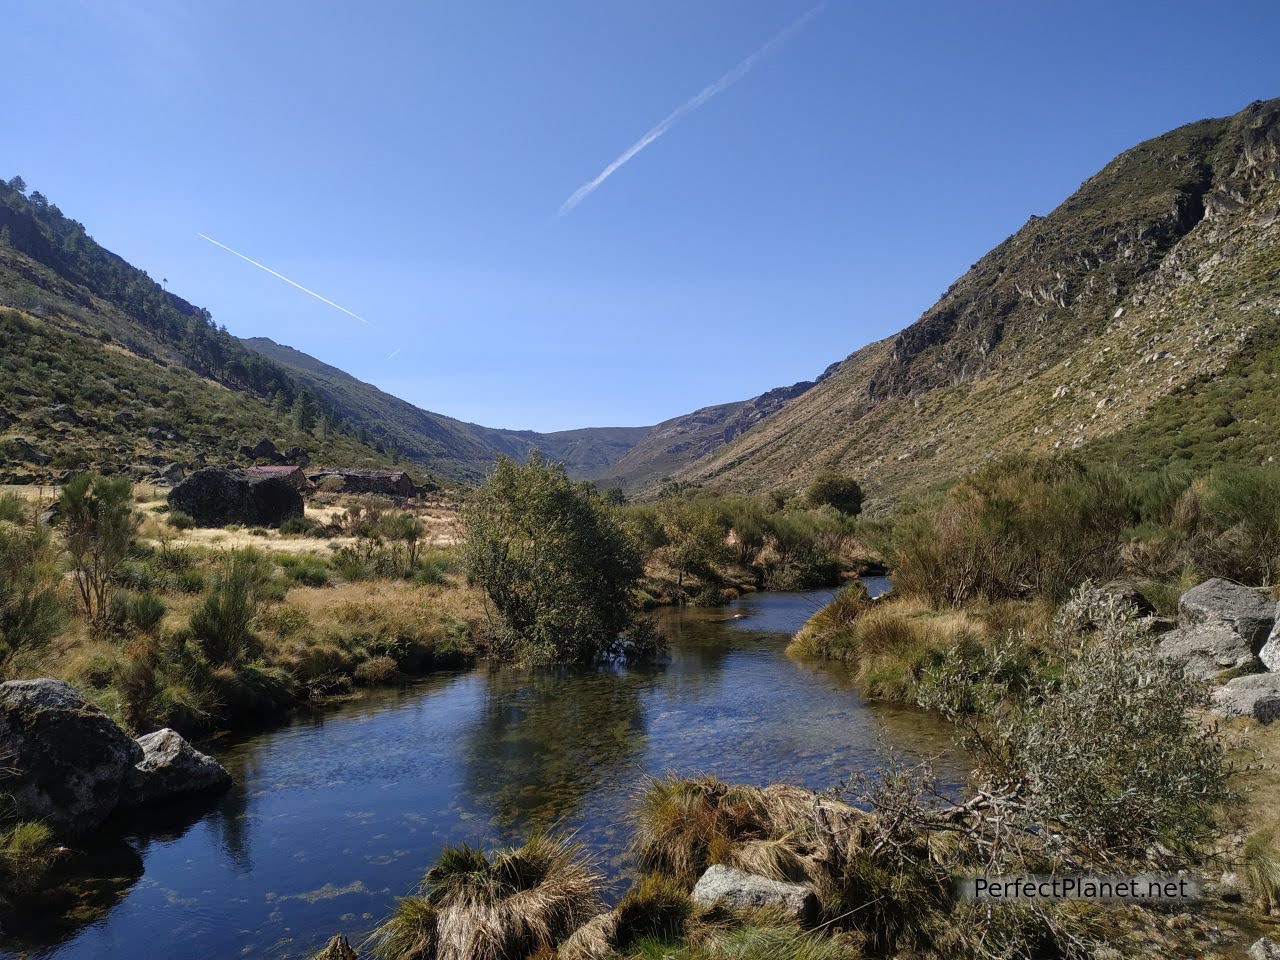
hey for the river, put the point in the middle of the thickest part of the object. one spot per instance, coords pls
(335, 815)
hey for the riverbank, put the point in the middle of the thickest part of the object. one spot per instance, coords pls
(486, 756)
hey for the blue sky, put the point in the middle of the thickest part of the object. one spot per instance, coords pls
(407, 161)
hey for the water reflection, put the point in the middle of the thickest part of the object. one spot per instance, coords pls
(547, 736)
(337, 814)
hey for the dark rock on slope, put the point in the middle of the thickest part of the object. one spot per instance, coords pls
(217, 496)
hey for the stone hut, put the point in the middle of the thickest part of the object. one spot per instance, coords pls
(391, 483)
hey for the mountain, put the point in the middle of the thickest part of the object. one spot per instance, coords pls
(1138, 320)
(663, 450)
(453, 447)
(106, 369)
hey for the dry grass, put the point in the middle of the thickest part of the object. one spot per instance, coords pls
(502, 906)
(889, 642)
(682, 826)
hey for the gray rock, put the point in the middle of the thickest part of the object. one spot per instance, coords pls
(217, 496)
(264, 449)
(1264, 949)
(1254, 695)
(61, 413)
(742, 891)
(20, 449)
(170, 767)
(1251, 613)
(297, 456)
(1207, 649)
(1270, 652)
(67, 760)
(172, 473)
(1158, 625)
(1127, 592)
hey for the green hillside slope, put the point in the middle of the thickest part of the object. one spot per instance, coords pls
(101, 368)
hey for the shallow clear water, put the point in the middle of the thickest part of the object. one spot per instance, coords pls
(334, 816)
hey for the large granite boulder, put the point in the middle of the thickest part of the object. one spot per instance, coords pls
(1270, 652)
(746, 891)
(217, 496)
(1207, 649)
(264, 449)
(67, 760)
(1250, 613)
(1254, 695)
(1264, 949)
(171, 767)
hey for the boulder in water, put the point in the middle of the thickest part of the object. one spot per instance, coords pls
(171, 767)
(68, 761)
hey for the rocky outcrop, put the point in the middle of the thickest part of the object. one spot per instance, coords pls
(1270, 652)
(1207, 649)
(68, 760)
(217, 496)
(1264, 949)
(746, 891)
(1255, 695)
(1248, 612)
(170, 767)
(71, 766)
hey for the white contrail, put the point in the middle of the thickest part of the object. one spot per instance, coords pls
(721, 85)
(393, 354)
(263, 266)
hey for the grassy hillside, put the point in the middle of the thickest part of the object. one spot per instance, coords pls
(103, 369)
(1105, 324)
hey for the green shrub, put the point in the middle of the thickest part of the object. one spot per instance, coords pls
(181, 521)
(832, 489)
(32, 607)
(145, 611)
(1018, 528)
(554, 562)
(220, 626)
(99, 525)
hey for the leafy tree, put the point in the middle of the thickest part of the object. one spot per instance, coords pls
(305, 411)
(18, 184)
(696, 537)
(100, 525)
(31, 609)
(556, 565)
(838, 491)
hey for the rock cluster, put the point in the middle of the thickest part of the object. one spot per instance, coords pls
(71, 766)
(1223, 626)
(217, 496)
